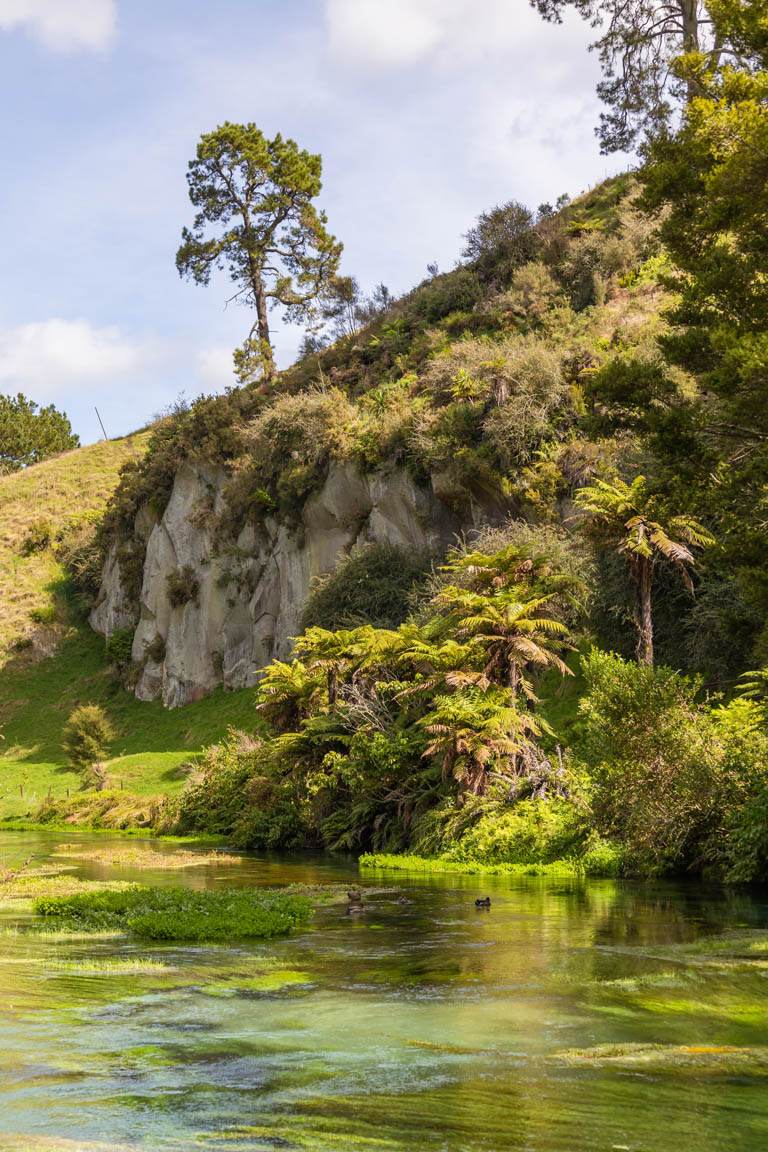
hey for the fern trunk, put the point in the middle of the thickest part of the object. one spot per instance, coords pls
(643, 619)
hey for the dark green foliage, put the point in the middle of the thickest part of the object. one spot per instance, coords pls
(183, 586)
(458, 292)
(178, 913)
(78, 547)
(119, 646)
(155, 650)
(368, 728)
(240, 793)
(708, 179)
(374, 585)
(86, 735)
(502, 239)
(28, 433)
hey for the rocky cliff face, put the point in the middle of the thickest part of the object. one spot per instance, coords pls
(247, 599)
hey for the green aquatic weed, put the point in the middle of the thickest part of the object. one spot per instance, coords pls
(179, 913)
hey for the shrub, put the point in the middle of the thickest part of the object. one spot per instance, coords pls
(655, 759)
(155, 649)
(86, 735)
(39, 536)
(183, 586)
(519, 426)
(534, 291)
(372, 586)
(80, 551)
(455, 292)
(291, 444)
(738, 847)
(213, 800)
(535, 831)
(503, 238)
(119, 646)
(239, 793)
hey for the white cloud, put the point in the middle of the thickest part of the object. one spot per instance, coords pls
(63, 25)
(214, 366)
(385, 33)
(42, 359)
(389, 34)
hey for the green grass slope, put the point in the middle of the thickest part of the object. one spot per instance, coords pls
(151, 745)
(60, 491)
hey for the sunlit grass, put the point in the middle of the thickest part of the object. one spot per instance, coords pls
(74, 482)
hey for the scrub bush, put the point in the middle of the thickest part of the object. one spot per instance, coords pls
(372, 586)
(655, 759)
(119, 646)
(183, 586)
(86, 735)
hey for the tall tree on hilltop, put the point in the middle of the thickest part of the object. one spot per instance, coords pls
(622, 514)
(638, 42)
(257, 195)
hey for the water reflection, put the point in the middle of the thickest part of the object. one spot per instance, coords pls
(572, 1016)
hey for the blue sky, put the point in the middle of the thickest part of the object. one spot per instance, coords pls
(425, 112)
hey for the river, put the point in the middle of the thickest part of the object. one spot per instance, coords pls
(571, 1016)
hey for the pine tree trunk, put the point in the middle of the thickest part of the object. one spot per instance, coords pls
(264, 341)
(641, 571)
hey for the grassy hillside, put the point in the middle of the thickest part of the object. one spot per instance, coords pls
(63, 491)
(151, 745)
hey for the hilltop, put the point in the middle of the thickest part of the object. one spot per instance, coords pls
(54, 503)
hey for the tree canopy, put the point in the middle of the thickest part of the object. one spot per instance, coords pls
(28, 433)
(639, 40)
(256, 219)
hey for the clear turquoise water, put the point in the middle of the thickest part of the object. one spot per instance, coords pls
(436, 1026)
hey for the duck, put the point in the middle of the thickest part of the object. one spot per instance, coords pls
(404, 900)
(483, 902)
(355, 909)
(354, 896)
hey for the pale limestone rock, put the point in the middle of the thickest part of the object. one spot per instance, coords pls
(251, 597)
(113, 609)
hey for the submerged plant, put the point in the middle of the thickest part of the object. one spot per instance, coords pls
(178, 913)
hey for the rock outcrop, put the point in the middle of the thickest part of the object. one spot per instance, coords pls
(244, 602)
